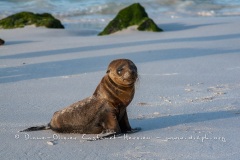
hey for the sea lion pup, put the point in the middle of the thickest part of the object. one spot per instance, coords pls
(105, 111)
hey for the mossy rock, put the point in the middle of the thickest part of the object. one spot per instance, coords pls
(148, 25)
(23, 19)
(132, 15)
(2, 42)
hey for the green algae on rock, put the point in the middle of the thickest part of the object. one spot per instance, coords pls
(149, 25)
(132, 15)
(23, 19)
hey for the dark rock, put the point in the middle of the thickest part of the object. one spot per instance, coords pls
(23, 19)
(1, 42)
(132, 15)
(149, 25)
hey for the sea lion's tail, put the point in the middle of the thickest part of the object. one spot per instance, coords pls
(36, 128)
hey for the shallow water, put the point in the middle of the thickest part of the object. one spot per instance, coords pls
(94, 14)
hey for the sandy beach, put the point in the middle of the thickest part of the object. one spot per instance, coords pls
(187, 98)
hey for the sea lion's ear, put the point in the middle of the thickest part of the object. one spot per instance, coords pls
(108, 69)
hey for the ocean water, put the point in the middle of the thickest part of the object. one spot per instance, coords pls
(94, 14)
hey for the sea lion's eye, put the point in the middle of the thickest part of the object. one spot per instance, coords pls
(119, 71)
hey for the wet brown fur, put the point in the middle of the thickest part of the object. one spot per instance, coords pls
(104, 111)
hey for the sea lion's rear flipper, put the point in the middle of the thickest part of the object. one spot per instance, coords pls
(114, 135)
(109, 135)
(36, 128)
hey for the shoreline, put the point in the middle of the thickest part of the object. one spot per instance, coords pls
(187, 98)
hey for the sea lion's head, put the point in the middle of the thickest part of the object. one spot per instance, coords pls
(123, 72)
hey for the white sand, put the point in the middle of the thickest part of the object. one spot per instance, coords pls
(187, 99)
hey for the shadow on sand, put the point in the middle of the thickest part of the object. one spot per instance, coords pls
(170, 121)
(93, 64)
